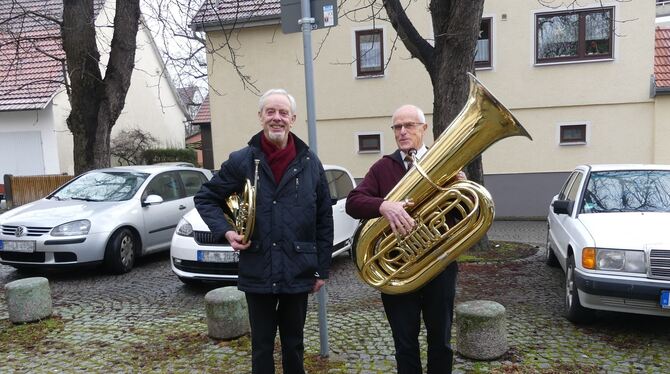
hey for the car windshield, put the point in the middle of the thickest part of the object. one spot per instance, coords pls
(102, 186)
(627, 191)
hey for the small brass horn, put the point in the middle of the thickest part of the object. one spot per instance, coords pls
(243, 208)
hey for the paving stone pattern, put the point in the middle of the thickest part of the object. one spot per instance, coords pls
(148, 322)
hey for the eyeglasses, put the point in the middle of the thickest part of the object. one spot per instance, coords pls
(409, 126)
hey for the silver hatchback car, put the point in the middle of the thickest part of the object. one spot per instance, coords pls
(108, 216)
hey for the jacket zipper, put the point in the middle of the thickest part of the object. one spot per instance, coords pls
(297, 185)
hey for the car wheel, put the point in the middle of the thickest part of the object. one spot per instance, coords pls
(190, 281)
(120, 251)
(574, 311)
(549, 255)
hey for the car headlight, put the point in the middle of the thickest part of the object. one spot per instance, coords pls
(620, 260)
(184, 228)
(73, 228)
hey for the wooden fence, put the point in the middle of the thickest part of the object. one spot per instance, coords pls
(21, 190)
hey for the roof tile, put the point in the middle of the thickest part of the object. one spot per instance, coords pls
(32, 60)
(662, 58)
(226, 12)
(203, 115)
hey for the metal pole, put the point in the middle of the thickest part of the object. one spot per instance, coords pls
(306, 21)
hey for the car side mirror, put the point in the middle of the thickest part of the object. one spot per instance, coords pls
(562, 206)
(152, 200)
(333, 201)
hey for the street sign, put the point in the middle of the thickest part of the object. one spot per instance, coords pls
(324, 13)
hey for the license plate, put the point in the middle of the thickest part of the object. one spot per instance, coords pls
(665, 299)
(27, 246)
(218, 256)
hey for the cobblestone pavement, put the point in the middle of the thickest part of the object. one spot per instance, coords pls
(147, 321)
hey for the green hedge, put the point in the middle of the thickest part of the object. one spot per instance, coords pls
(153, 156)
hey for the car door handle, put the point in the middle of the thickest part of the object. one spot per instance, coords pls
(182, 207)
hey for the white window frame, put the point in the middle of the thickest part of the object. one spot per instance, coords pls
(367, 133)
(587, 135)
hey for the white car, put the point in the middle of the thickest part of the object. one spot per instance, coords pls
(607, 230)
(196, 257)
(108, 216)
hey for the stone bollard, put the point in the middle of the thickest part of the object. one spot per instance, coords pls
(480, 329)
(226, 310)
(28, 299)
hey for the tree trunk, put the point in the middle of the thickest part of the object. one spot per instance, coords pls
(96, 103)
(456, 27)
(456, 30)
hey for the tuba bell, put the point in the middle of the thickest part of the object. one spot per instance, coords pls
(242, 208)
(395, 264)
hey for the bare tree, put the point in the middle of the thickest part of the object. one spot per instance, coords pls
(129, 146)
(97, 101)
(64, 33)
(185, 50)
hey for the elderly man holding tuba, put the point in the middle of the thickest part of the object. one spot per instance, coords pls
(435, 299)
(288, 254)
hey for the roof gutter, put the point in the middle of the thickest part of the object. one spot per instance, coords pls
(654, 90)
(237, 23)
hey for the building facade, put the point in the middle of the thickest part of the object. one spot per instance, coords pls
(580, 80)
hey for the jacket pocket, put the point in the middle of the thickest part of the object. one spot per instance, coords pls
(252, 262)
(305, 247)
(304, 260)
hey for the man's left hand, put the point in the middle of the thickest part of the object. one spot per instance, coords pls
(318, 283)
(460, 176)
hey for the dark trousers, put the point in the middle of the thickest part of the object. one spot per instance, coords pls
(266, 313)
(436, 302)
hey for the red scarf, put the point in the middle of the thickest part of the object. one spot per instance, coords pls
(278, 159)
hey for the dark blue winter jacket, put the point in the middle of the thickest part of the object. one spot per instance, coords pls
(292, 240)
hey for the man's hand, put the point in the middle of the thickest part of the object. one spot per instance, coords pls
(235, 240)
(460, 176)
(318, 283)
(394, 211)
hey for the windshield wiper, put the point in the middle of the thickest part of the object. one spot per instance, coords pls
(83, 199)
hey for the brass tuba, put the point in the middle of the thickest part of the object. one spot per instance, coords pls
(243, 208)
(396, 265)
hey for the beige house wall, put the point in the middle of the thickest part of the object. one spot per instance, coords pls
(615, 133)
(661, 143)
(612, 97)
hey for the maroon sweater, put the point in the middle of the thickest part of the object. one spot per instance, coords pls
(363, 201)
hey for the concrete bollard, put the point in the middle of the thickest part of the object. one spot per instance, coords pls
(28, 299)
(226, 310)
(480, 329)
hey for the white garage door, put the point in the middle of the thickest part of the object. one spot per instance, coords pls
(21, 153)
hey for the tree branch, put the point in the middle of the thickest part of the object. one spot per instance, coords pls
(417, 46)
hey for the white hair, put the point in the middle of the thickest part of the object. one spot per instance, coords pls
(277, 91)
(419, 112)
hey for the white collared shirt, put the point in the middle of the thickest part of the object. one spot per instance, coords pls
(419, 153)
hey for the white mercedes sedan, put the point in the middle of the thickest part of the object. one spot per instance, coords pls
(607, 230)
(196, 257)
(106, 216)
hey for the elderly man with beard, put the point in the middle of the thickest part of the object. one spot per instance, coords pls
(289, 252)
